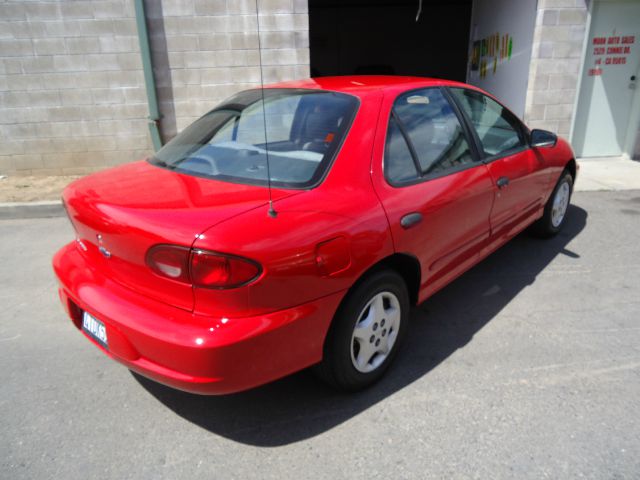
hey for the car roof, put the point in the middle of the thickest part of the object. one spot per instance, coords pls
(359, 84)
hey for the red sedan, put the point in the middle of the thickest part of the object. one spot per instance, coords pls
(296, 225)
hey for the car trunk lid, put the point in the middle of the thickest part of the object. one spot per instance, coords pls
(120, 213)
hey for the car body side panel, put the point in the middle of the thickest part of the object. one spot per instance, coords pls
(287, 249)
(523, 197)
(556, 159)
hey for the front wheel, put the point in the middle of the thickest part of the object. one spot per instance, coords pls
(555, 211)
(366, 332)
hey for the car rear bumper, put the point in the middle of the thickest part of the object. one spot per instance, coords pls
(195, 353)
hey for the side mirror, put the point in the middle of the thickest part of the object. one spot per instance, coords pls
(543, 138)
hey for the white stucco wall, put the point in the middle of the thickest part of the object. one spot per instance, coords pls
(510, 21)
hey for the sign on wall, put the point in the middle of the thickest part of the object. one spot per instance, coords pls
(612, 50)
(500, 49)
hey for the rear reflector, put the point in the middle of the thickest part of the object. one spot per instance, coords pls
(202, 268)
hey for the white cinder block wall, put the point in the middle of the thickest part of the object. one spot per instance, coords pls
(72, 96)
(212, 50)
(72, 93)
(556, 58)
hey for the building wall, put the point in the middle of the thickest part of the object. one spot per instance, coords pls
(72, 93)
(500, 49)
(556, 59)
(206, 50)
(72, 96)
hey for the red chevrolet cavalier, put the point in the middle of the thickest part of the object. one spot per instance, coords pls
(296, 225)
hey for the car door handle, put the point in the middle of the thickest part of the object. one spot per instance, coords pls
(410, 219)
(502, 182)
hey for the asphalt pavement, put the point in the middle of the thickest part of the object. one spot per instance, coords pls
(528, 366)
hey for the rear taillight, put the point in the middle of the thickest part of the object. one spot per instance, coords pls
(216, 270)
(170, 261)
(202, 268)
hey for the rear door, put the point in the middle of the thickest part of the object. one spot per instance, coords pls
(517, 171)
(435, 191)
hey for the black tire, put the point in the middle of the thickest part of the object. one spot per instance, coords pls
(338, 364)
(547, 226)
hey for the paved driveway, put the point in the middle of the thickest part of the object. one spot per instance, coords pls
(528, 366)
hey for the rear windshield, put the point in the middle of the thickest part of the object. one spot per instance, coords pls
(304, 129)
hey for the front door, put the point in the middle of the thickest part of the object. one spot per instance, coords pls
(606, 117)
(517, 171)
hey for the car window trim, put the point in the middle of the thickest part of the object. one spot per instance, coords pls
(471, 134)
(521, 129)
(405, 135)
(433, 176)
(506, 153)
(422, 177)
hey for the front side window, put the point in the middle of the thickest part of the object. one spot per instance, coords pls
(304, 129)
(496, 127)
(426, 121)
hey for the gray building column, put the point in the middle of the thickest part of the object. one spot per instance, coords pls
(556, 60)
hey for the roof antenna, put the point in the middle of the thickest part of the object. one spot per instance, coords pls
(272, 211)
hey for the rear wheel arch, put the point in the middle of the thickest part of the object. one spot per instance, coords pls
(407, 266)
(404, 264)
(358, 326)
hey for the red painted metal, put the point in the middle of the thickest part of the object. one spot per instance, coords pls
(221, 340)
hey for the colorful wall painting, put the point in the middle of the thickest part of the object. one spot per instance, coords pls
(491, 50)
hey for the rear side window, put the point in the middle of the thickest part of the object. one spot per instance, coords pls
(434, 141)
(499, 131)
(304, 129)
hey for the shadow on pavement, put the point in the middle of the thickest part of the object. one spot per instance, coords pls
(299, 406)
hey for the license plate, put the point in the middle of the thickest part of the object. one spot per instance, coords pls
(95, 329)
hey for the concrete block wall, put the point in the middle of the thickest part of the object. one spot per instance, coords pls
(556, 58)
(211, 50)
(72, 96)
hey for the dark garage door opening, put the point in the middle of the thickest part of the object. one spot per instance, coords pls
(383, 37)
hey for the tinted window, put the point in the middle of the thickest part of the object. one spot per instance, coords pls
(434, 131)
(497, 128)
(280, 116)
(304, 129)
(398, 163)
